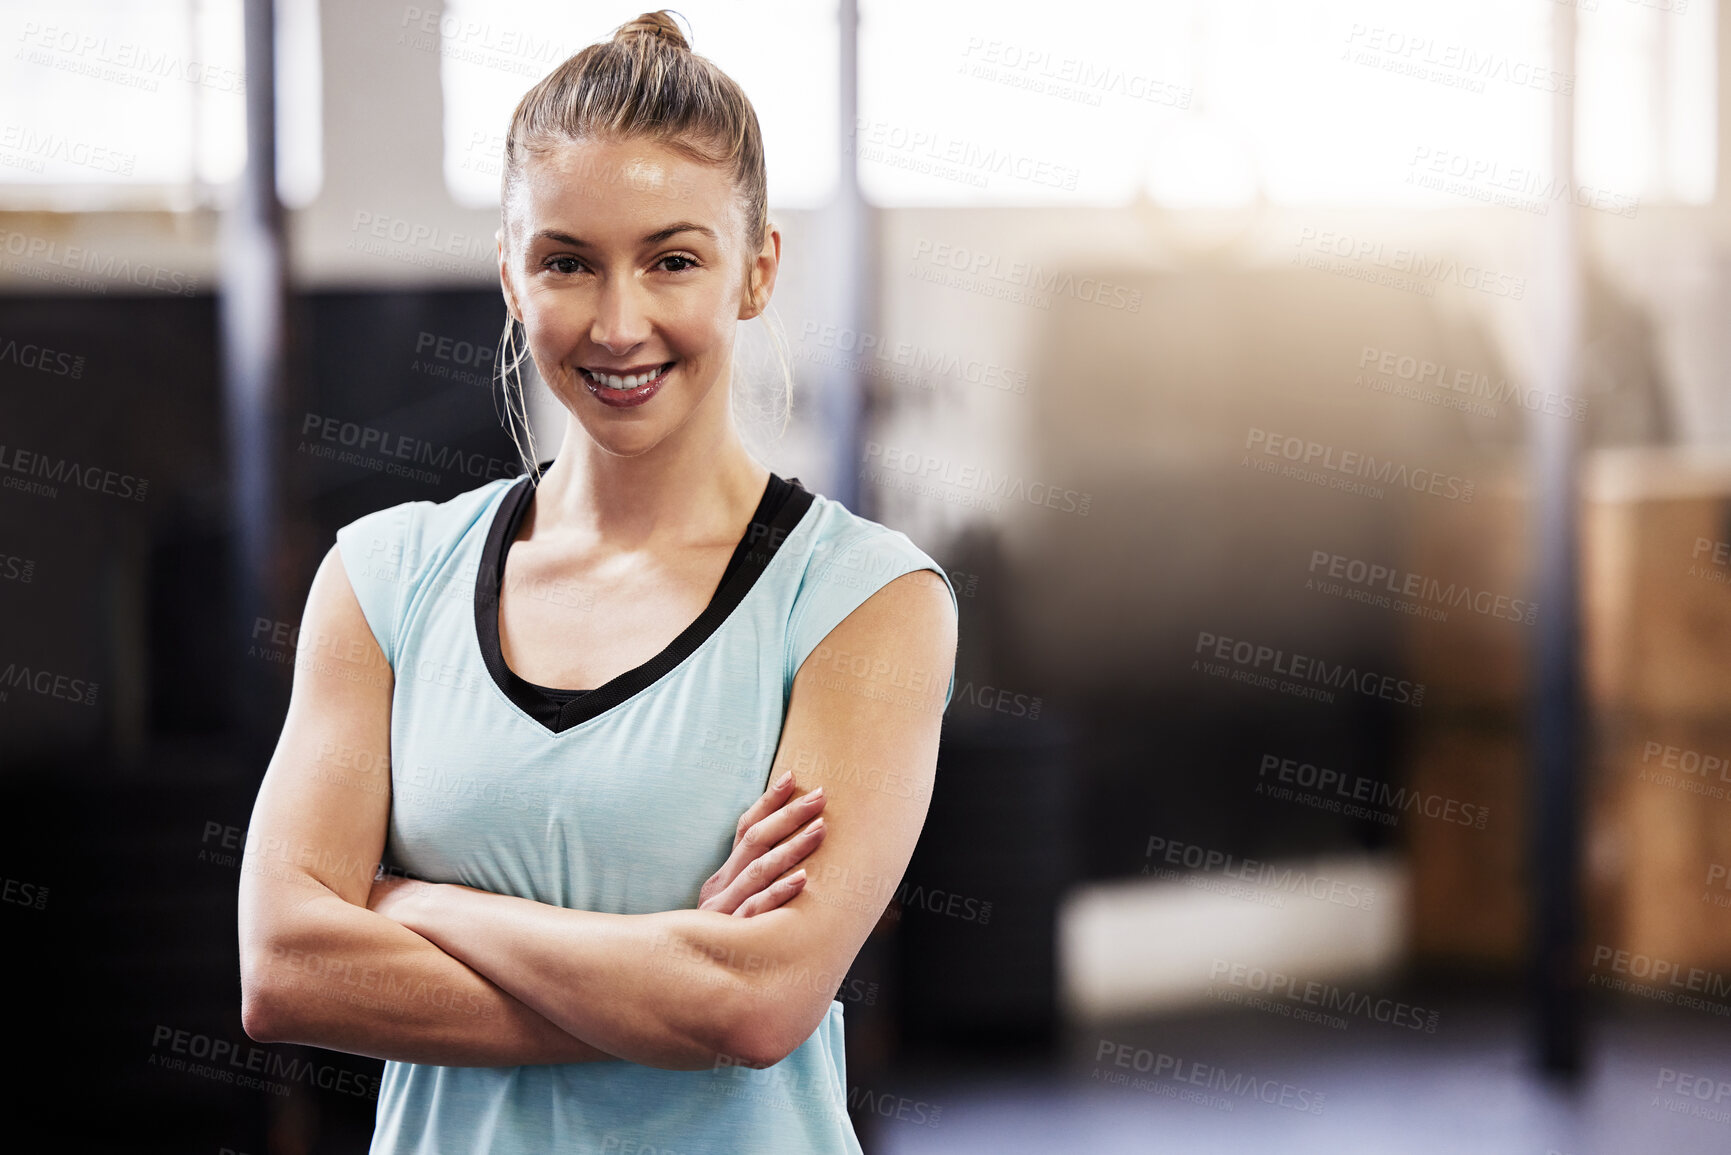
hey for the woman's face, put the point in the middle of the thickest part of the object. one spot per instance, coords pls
(628, 265)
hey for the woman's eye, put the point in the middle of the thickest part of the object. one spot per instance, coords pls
(686, 262)
(564, 264)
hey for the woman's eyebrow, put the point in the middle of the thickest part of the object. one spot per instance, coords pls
(653, 238)
(660, 235)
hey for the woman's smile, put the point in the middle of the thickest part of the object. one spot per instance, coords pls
(627, 388)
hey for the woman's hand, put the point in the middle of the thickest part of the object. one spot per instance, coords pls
(778, 832)
(775, 835)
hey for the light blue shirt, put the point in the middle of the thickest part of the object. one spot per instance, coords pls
(627, 811)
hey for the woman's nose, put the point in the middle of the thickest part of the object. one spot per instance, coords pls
(621, 317)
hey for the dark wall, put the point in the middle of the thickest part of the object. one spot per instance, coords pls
(127, 790)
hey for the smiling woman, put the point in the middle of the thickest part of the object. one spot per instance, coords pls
(604, 916)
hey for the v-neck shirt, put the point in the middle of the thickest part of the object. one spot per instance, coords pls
(622, 800)
(782, 504)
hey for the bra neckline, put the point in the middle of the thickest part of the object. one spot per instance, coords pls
(783, 505)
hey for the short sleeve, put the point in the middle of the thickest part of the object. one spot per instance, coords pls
(380, 556)
(838, 581)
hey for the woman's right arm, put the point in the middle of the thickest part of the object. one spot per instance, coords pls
(317, 967)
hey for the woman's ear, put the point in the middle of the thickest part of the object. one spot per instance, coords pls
(760, 277)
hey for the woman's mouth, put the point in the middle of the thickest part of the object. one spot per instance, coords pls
(623, 390)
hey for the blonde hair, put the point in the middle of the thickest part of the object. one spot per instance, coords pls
(643, 83)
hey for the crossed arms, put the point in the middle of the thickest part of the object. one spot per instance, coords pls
(450, 975)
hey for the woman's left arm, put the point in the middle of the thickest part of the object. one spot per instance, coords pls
(690, 989)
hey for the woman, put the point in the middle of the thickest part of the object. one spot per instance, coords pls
(562, 952)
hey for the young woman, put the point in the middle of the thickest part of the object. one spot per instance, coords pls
(588, 933)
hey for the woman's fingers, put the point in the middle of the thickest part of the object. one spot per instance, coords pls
(767, 803)
(760, 838)
(777, 893)
(761, 873)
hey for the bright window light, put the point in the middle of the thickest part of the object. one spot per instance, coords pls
(110, 104)
(782, 52)
(1224, 102)
(1648, 98)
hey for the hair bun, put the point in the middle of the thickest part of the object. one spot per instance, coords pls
(658, 24)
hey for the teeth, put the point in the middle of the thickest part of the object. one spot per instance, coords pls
(630, 381)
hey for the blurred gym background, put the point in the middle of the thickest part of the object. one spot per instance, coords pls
(1321, 408)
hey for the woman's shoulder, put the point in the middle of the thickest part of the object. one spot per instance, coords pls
(409, 526)
(387, 553)
(842, 542)
(846, 559)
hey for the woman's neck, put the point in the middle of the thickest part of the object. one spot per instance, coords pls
(677, 493)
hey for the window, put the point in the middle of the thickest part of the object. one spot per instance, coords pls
(119, 105)
(782, 52)
(1220, 102)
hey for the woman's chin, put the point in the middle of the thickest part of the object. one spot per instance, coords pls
(626, 438)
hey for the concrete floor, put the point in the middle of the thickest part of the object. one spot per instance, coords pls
(1386, 1089)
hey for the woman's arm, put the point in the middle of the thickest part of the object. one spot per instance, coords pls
(690, 989)
(317, 966)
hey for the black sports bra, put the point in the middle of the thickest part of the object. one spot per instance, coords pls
(775, 496)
